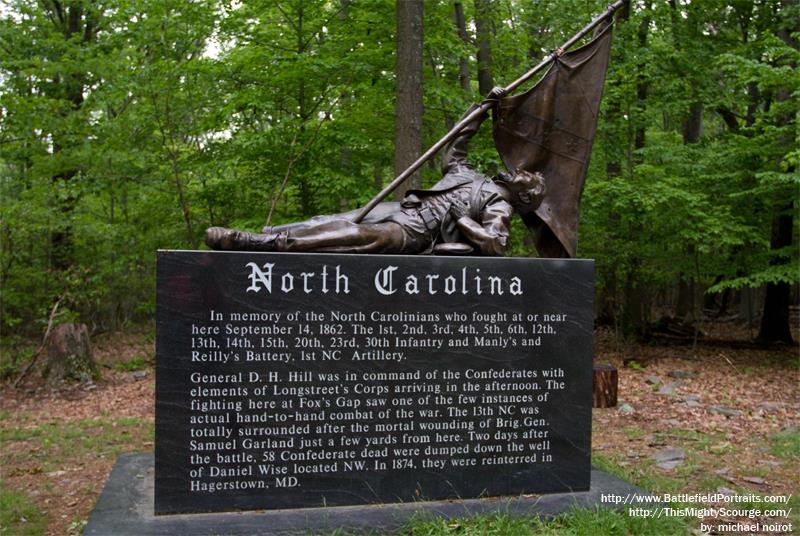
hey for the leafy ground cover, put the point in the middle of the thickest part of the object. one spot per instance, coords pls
(728, 413)
(57, 447)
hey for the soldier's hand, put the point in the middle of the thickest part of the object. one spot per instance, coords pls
(496, 93)
(459, 208)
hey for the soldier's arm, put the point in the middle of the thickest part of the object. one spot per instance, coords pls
(455, 152)
(491, 235)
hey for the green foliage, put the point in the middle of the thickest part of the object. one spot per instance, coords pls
(19, 515)
(13, 356)
(575, 522)
(646, 478)
(662, 206)
(160, 118)
(786, 444)
(133, 364)
(56, 441)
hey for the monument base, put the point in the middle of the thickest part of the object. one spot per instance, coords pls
(126, 508)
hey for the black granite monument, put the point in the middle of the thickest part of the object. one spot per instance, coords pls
(302, 380)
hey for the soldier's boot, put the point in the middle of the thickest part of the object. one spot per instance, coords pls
(232, 240)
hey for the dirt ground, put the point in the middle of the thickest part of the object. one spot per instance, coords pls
(732, 409)
(60, 444)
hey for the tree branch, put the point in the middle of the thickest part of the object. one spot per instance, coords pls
(730, 118)
(291, 164)
(44, 343)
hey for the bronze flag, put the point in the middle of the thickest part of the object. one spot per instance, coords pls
(550, 129)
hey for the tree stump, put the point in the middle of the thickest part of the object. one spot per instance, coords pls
(69, 355)
(604, 386)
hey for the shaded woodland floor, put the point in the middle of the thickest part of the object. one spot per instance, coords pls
(728, 415)
(725, 416)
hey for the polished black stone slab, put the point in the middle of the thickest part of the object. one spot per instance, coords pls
(125, 508)
(303, 380)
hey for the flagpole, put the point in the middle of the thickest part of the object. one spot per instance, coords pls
(483, 108)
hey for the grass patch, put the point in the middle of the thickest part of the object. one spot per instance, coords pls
(688, 468)
(51, 444)
(786, 445)
(699, 440)
(577, 522)
(711, 483)
(76, 527)
(794, 504)
(19, 516)
(634, 432)
(139, 362)
(643, 476)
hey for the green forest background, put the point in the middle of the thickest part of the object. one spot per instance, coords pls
(129, 126)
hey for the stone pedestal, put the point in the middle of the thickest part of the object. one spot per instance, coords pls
(125, 508)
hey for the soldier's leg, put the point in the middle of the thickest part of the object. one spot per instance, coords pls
(342, 236)
(332, 236)
(308, 224)
(233, 240)
(379, 214)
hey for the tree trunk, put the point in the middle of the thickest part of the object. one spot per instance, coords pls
(775, 319)
(642, 85)
(633, 314)
(686, 308)
(616, 140)
(685, 303)
(463, 62)
(69, 355)
(605, 382)
(483, 38)
(71, 21)
(693, 126)
(775, 325)
(408, 105)
(748, 299)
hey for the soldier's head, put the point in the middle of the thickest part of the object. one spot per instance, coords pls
(526, 188)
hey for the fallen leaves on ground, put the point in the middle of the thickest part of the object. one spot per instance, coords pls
(722, 405)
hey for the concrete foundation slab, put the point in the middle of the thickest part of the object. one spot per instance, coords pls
(126, 508)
